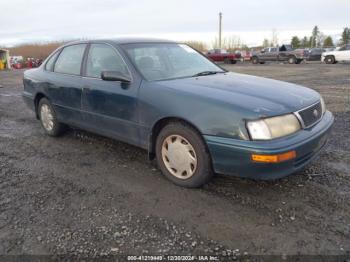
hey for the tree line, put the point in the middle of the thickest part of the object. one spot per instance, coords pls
(318, 39)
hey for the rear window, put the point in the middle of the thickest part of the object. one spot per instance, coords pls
(69, 61)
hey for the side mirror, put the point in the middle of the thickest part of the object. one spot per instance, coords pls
(115, 76)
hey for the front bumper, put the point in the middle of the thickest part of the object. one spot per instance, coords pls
(233, 157)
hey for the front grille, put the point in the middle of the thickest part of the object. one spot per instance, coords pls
(311, 115)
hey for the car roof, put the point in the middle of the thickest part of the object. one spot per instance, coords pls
(123, 40)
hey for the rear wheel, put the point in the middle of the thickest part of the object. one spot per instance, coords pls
(329, 59)
(182, 155)
(292, 60)
(48, 118)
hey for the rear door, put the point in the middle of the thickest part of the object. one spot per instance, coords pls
(64, 83)
(265, 55)
(109, 107)
(347, 53)
(273, 54)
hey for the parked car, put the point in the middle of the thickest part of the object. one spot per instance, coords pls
(339, 55)
(221, 55)
(279, 54)
(245, 55)
(194, 117)
(17, 65)
(314, 54)
(16, 62)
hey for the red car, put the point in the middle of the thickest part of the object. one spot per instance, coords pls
(17, 66)
(221, 55)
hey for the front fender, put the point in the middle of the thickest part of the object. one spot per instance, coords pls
(209, 116)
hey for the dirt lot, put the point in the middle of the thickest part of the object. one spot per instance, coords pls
(84, 194)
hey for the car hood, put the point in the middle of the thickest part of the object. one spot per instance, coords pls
(264, 96)
(330, 53)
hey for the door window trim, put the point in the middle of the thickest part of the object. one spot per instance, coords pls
(81, 64)
(83, 73)
(58, 52)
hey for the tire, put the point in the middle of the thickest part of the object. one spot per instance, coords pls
(172, 161)
(233, 62)
(292, 60)
(48, 118)
(261, 63)
(255, 60)
(227, 61)
(329, 59)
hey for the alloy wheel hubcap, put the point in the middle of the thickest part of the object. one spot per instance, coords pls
(46, 117)
(179, 156)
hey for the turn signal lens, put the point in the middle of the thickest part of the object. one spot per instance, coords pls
(274, 158)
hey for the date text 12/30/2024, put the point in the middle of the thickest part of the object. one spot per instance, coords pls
(173, 258)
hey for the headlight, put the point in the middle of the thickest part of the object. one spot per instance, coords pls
(323, 105)
(273, 127)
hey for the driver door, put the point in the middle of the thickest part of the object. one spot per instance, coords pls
(109, 107)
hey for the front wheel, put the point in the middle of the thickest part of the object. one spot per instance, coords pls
(255, 60)
(49, 119)
(329, 59)
(182, 155)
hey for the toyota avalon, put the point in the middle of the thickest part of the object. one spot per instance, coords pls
(195, 118)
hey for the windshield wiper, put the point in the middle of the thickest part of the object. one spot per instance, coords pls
(205, 73)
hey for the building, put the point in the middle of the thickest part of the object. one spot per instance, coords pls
(4, 59)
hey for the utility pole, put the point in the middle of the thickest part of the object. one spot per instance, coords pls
(220, 28)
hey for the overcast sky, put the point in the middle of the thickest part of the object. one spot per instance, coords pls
(252, 21)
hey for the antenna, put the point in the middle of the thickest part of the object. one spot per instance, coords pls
(220, 28)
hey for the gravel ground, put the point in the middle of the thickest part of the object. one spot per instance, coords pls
(86, 195)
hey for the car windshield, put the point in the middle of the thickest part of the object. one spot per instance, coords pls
(164, 61)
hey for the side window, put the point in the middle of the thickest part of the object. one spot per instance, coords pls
(104, 58)
(69, 61)
(50, 63)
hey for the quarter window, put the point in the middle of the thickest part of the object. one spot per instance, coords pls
(104, 58)
(50, 63)
(69, 61)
